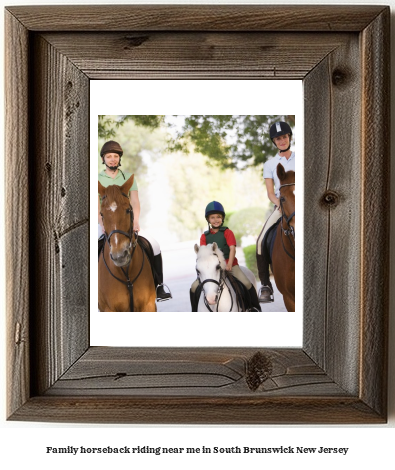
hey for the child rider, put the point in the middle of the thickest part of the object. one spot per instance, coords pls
(226, 241)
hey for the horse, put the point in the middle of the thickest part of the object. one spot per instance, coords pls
(283, 256)
(217, 291)
(126, 283)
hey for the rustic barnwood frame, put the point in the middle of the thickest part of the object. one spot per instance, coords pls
(340, 374)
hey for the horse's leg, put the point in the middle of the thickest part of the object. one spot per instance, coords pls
(289, 303)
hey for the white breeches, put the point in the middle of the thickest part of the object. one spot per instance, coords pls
(274, 216)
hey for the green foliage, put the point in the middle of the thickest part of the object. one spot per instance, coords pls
(230, 141)
(140, 145)
(250, 259)
(109, 125)
(247, 222)
(193, 185)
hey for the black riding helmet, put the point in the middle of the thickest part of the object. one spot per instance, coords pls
(278, 129)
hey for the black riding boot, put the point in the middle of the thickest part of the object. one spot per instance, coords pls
(192, 298)
(254, 299)
(161, 294)
(266, 291)
(101, 244)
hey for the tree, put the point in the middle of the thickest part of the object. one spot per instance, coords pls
(230, 141)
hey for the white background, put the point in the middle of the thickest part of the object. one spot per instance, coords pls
(23, 444)
(208, 97)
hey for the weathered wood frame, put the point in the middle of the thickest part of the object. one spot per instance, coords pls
(340, 374)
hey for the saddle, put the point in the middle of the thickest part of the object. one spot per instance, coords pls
(267, 249)
(242, 295)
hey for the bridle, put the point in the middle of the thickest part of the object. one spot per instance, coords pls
(290, 231)
(132, 246)
(221, 285)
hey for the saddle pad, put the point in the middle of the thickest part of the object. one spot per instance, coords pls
(148, 250)
(268, 241)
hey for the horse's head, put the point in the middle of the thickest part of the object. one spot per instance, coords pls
(287, 195)
(117, 215)
(210, 264)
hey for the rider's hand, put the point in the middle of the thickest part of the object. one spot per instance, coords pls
(228, 267)
(136, 226)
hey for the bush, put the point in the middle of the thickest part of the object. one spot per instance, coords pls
(247, 222)
(250, 258)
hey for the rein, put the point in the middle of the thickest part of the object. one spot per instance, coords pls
(290, 231)
(128, 283)
(220, 285)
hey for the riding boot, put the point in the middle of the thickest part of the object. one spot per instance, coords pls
(192, 298)
(161, 294)
(101, 244)
(254, 299)
(266, 291)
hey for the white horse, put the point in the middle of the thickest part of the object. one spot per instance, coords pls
(217, 294)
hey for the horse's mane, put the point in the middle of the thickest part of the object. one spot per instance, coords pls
(207, 250)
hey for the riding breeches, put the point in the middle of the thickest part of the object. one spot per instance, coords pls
(237, 273)
(151, 239)
(274, 216)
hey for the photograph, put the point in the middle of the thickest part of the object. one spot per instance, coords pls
(201, 184)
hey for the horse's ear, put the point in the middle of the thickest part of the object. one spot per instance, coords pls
(215, 246)
(280, 172)
(102, 190)
(196, 248)
(125, 188)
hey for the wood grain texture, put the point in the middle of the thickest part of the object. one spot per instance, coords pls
(196, 18)
(17, 213)
(339, 376)
(191, 372)
(332, 229)
(59, 174)
(196, 55)
(375, 211)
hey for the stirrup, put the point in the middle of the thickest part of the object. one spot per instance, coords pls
(253, 309)
(168, 295)
(265, 295)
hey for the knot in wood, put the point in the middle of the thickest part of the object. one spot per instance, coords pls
(340, 77)
(259, 369)
(330, 199)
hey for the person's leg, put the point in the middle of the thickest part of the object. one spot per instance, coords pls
(266, 290)
(161, 294)
(194, 303)
(100, 241)
(238, 273)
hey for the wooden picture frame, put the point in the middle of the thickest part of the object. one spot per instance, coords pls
(340, 374)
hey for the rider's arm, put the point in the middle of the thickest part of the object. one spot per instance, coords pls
(270, 191)
(135, 203)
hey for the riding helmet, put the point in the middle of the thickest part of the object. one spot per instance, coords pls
(215, 207)
(279, 128)
(111, 147)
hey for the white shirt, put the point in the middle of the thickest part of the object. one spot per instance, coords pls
(270, 169)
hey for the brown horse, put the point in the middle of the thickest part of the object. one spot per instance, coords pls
(283, 257)
(126, 283)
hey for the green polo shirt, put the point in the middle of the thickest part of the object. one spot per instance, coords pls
(119, 180)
